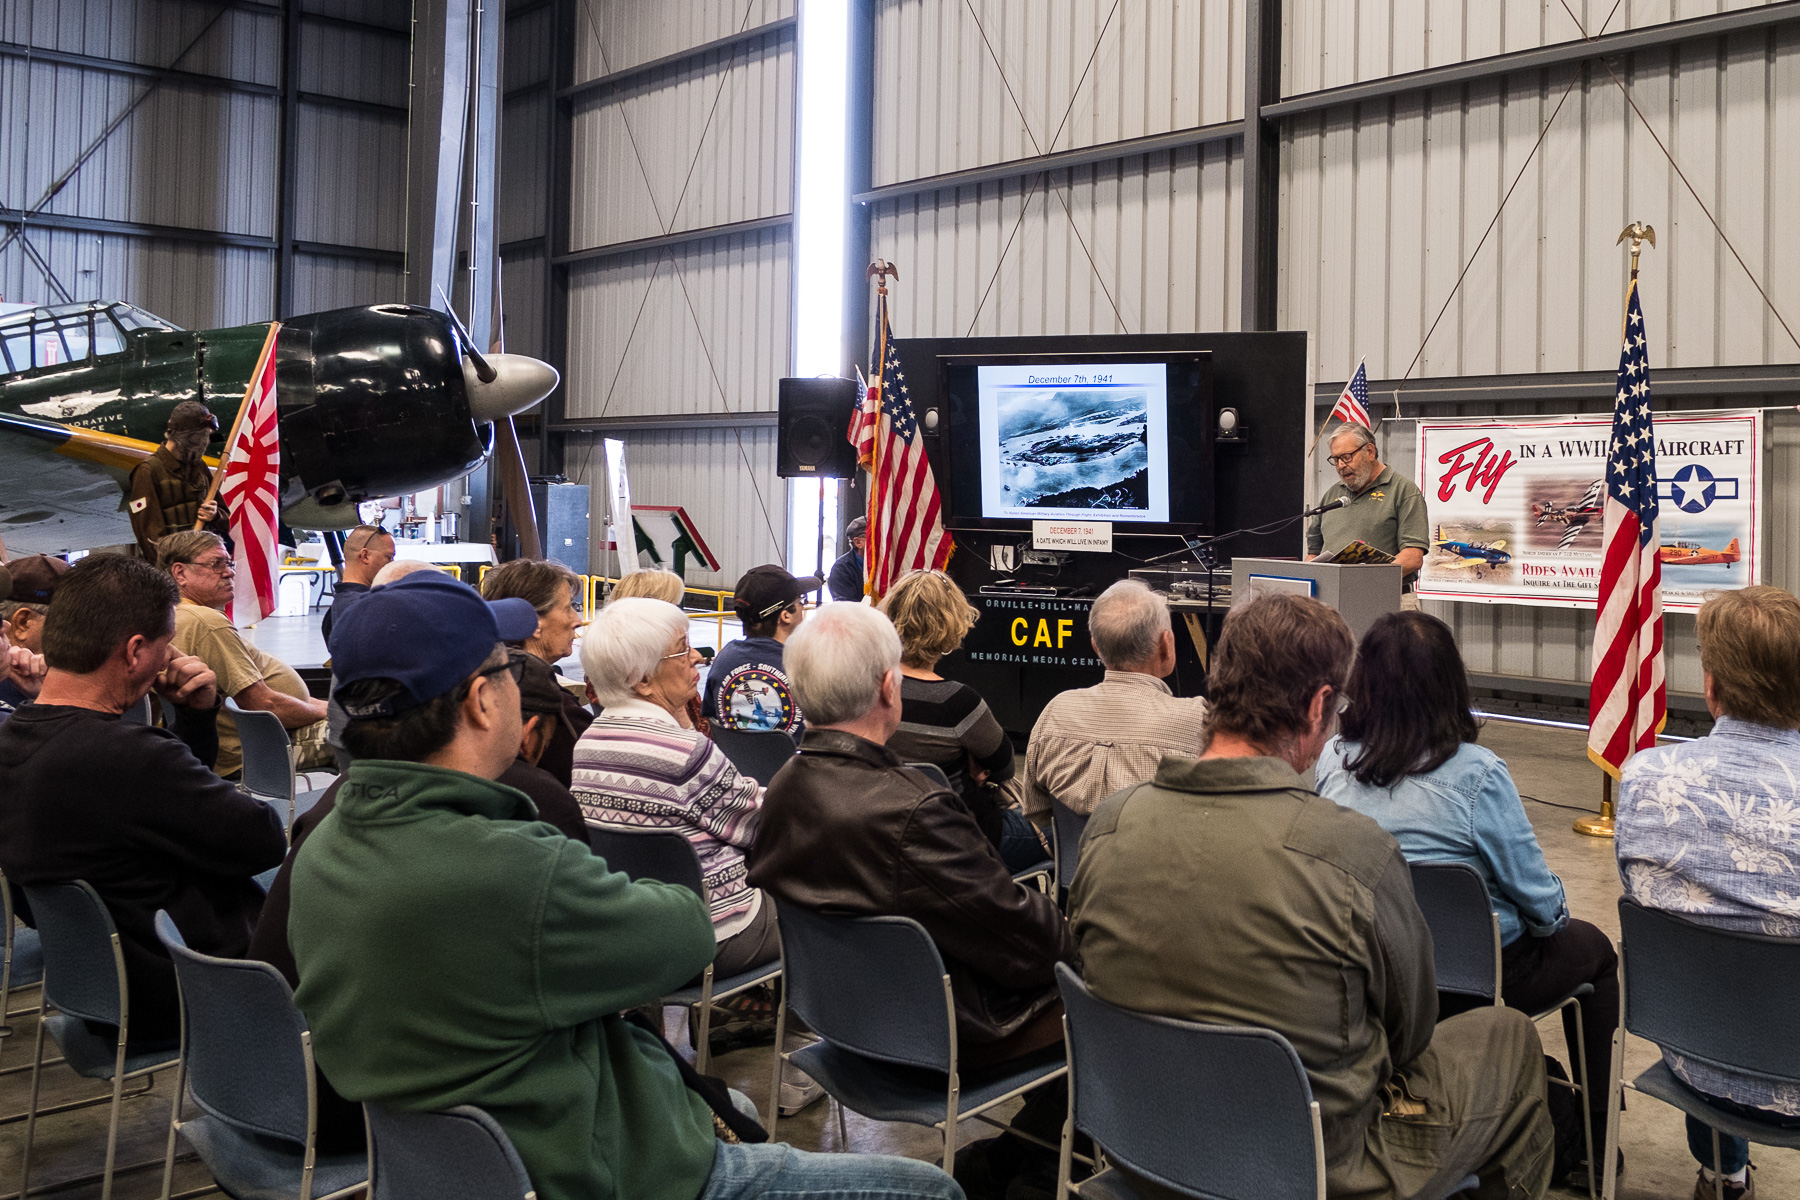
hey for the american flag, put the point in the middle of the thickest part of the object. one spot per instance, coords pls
(252, 490)
(1353, 402)
(1628, 700)
(906, 526)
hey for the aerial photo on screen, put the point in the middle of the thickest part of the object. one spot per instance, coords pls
(1075, 447)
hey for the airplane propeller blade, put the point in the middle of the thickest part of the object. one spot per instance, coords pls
(500, 384)
(515, 484)
(483, 371)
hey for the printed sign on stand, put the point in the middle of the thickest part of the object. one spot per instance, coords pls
(1095, 537)
(1516, 507)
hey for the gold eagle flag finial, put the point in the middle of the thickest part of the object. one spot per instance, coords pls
(1639, 233)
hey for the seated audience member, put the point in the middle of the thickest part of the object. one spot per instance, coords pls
(847, 828)
(1407, 757)
(542, 712)
(1090, 742)
(453, 949)
(27, 585)
(129, 807)
(555, 592)
(1706, 829)
(639, 768)
(1227, 891)
(367, 549)
(202, 568)
(747, 685)
(650, 585)
(400, 568)
(846, 579)
(948, 723)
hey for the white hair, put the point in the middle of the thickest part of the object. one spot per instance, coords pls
(837, 659)
(1355, 430)
(626, 642)
(400, 568)
(1127, 623)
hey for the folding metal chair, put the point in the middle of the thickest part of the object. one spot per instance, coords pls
(460, 1152)
(1223, 1112)
(875, 990)
(669, 858)
(84, 980)
(756, 753)
(23, 967)
(246, 1054)
(1066, 826)
(1671, 970)
(1465, 941)
(268, 758)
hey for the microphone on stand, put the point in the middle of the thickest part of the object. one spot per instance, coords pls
(1340, 502)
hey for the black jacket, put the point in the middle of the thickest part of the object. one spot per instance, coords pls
(127, 807)
(847, 829)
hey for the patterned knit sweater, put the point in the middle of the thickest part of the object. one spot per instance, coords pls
(637, 770)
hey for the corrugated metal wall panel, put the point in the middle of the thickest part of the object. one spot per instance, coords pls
(640, 31)
(1383, 206)
(636, 348)
(942, 105)
(522, 288)
(240, 43)
(1330, 43)
(530, 38)
(706, 142)
(524, 162)
(194, 286)
(352, 178)
(335, 61)
(1164, 232)
(188, 156)
(324, 282)
(724, 478)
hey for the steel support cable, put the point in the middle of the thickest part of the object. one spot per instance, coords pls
(665, 227)
(1043, 176)
(1657, 138)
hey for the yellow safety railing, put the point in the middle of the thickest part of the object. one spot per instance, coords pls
(599, 585)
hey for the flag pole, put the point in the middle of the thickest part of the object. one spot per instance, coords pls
(1602, 824)
(237, 422)
(1327, 421)
(879, 270)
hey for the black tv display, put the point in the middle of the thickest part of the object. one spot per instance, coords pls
(1125, 438)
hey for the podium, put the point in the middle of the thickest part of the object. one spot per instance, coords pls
(1360, 592)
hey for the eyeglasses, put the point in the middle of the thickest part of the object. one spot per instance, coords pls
(1343, 705)
(1343, 460)
(513, 666)
(684, 652)
(220, 565)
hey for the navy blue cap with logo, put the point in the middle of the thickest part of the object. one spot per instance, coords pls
(427, 633)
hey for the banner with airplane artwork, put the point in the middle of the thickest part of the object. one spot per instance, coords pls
(1515, 507)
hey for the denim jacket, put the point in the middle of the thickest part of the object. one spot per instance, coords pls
(1466, 811)
(1711, 830)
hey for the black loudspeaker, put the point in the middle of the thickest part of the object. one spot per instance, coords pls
(815, 418)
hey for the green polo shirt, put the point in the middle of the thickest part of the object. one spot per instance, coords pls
(1389, 515)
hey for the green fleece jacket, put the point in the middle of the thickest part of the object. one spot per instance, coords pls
(453, 949)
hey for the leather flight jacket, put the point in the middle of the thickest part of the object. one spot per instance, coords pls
(848, 829)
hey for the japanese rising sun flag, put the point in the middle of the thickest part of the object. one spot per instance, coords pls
(252, 491)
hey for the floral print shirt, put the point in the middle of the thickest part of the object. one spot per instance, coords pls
(1710, 829)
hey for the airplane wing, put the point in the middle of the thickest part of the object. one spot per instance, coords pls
(63, 488)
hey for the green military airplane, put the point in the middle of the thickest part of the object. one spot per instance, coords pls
(374, 401)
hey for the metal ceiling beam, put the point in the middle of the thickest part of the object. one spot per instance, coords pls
(287, 165)
(221, 83)
(731, 420)
(182, 233)
(558, 135)
(679, 238)
(1262, 167)
(590, 86)
(1062, 160)
(319, 18)
(1654, 37)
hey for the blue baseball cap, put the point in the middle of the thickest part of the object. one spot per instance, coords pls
(426, 632)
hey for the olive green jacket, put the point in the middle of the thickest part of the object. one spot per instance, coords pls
(1227, 891)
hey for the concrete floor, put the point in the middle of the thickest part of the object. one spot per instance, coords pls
(1549, 764)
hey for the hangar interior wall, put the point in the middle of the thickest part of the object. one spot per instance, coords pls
(140, 142)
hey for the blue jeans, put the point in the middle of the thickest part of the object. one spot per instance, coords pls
(1019, 845)
(777, 1171)
(1734, 1152)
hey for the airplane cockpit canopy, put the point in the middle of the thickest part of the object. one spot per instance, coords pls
(67, 333)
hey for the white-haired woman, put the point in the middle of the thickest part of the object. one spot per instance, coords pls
(642, 767)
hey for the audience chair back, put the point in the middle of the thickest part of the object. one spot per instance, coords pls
(24, 962)
(873, 985)
(662, 856)
(1066, 828)
(932, 772)
(757, 754)
(1465, 933)
(268, 758)
(460, 1152)
(137, 714)
(1218, 1111)
(84, 967)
